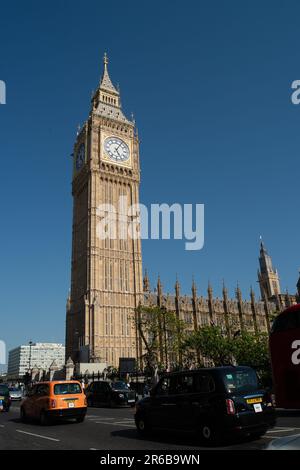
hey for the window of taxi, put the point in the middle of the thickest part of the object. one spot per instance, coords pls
(67, 389)
(163, 387)
(42, 390)
(241, 380)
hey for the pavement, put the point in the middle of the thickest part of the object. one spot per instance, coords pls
(114, 429)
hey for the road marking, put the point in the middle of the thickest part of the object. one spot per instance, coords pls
(124, 422)
(114, 424)
(37, 435)
(281, 430)
(97, 417)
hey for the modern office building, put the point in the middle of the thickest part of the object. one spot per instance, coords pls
(40, 355)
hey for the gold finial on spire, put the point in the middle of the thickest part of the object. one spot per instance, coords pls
(105, 59)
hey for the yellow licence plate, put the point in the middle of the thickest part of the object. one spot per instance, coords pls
(2, 398)
(254, 400)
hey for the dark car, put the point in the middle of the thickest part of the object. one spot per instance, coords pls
(110, 393)
(214, 403)
(5, 400)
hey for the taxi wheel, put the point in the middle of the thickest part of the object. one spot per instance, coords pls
(23, 415)
(142, 425)
(80, 419)
(209, 434)
(43, 419)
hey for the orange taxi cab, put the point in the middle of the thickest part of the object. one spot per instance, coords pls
(48, 401)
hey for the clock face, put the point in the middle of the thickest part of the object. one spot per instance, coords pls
(116, 149)
(80, 157)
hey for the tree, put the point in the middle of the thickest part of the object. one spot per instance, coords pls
(252, 350)
(245, 348)
(212, 344)
(162, 334)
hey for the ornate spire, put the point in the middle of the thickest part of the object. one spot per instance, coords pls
(194, 288)
(252, 295)
(268, 277)
(106, 83)
(106, 100)
(209, 290)
(224, 290)
(146, 282)
(159, 286)
(262, 246)
(238, 293)
(177, 287)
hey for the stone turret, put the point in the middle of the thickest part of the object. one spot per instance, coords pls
(239, 299)
(194, 303)
(253, 309)
(177, 289)
(268, 277)
(69, 369)
(226, 307)
(211, 304)
(159, 292)
(146, 282)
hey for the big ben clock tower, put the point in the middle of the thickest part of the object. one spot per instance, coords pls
(106, 279)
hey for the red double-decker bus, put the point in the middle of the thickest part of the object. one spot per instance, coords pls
(285, 357)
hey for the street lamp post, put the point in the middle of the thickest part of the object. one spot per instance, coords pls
(30, 346)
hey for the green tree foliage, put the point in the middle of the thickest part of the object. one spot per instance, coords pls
(218, 348)
(252, 350)
(162, 334)
(211, 343)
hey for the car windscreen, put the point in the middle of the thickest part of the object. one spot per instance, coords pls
(240, 381)
(120, 386)
(67, 389)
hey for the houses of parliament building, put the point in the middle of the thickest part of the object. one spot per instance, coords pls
(107, 282)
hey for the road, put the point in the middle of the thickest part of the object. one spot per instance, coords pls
(108, 429)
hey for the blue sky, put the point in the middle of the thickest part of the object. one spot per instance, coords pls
(209, 84)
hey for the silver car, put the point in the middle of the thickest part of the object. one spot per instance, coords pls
(15, 393)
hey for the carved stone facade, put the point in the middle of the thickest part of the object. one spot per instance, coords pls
(106, 280)
(232, 314)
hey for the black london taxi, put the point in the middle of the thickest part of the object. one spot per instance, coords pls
(105, 393)
(213, 402)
